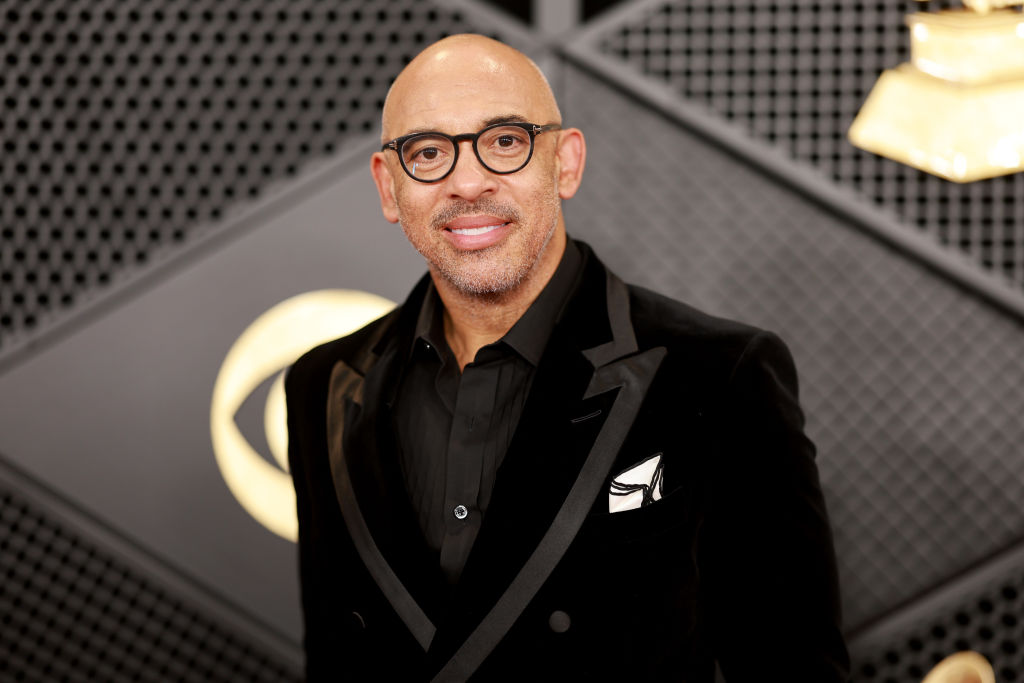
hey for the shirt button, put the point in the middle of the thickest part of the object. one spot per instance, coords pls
(460, 512)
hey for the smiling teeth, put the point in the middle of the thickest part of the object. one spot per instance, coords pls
(476, 231)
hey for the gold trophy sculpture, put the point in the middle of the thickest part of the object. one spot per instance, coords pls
(956, 109)
(985, 6)
(962, 667)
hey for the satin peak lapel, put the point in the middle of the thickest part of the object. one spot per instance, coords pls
(344, 409)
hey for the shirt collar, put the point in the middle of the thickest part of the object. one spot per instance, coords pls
(430, 323)
(530, 334)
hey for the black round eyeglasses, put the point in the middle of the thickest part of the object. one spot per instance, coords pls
(501, 148)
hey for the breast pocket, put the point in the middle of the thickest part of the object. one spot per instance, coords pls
(642, 556)
(640, 524)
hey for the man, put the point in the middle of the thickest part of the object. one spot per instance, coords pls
(530, 471)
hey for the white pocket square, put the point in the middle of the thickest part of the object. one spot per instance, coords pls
(636, 486)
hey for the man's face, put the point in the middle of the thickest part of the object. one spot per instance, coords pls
(481, 232)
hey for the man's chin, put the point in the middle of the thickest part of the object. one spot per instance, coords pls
(481, 282)
(483, 286)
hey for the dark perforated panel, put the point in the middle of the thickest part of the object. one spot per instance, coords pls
(523, 9)
(990, 621)
(520, 9)
(795, 73)
(913, 389)
(129, 127)
(69, 611)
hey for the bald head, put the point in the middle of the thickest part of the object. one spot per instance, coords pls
(466, 68)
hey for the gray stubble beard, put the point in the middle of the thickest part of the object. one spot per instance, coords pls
(505, 276)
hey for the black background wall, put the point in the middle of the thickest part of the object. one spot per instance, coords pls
(171, 170)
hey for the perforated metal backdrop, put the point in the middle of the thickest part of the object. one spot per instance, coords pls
(73, 611)
(987, 619)
(130, 128)
(794, 74)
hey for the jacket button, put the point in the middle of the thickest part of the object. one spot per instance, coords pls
(358, 621)
(559, 621)
(460, 512)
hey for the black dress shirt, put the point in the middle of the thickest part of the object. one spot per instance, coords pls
(453, 428)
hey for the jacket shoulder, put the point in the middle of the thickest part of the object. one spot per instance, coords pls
(715, 348)
(661, 321)
(315, 365)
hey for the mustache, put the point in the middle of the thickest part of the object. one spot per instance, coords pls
(503, 210)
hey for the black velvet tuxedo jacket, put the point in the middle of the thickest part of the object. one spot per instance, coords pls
(735, 562)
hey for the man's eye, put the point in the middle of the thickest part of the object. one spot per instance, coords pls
(509, 141)
(427, 155)
(506, 143)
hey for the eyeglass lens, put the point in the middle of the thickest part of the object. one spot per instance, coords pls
(502, 149)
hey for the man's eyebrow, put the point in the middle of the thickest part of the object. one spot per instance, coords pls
(504, 118)
(507, 118)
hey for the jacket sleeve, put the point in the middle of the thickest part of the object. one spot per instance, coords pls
(772, 586)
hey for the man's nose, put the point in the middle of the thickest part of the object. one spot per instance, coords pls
(469, 179)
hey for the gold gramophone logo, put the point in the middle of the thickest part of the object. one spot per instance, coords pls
(267, 347)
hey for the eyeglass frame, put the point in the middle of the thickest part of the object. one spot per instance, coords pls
(532, 128)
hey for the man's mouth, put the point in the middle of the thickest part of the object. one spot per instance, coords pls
(483, 229)
(477, 231)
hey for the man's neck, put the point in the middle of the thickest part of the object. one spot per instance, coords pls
(472, 321)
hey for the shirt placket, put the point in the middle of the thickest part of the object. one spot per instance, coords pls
(466, 444)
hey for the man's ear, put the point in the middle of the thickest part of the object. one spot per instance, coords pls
(572, 156)
(385, 186)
